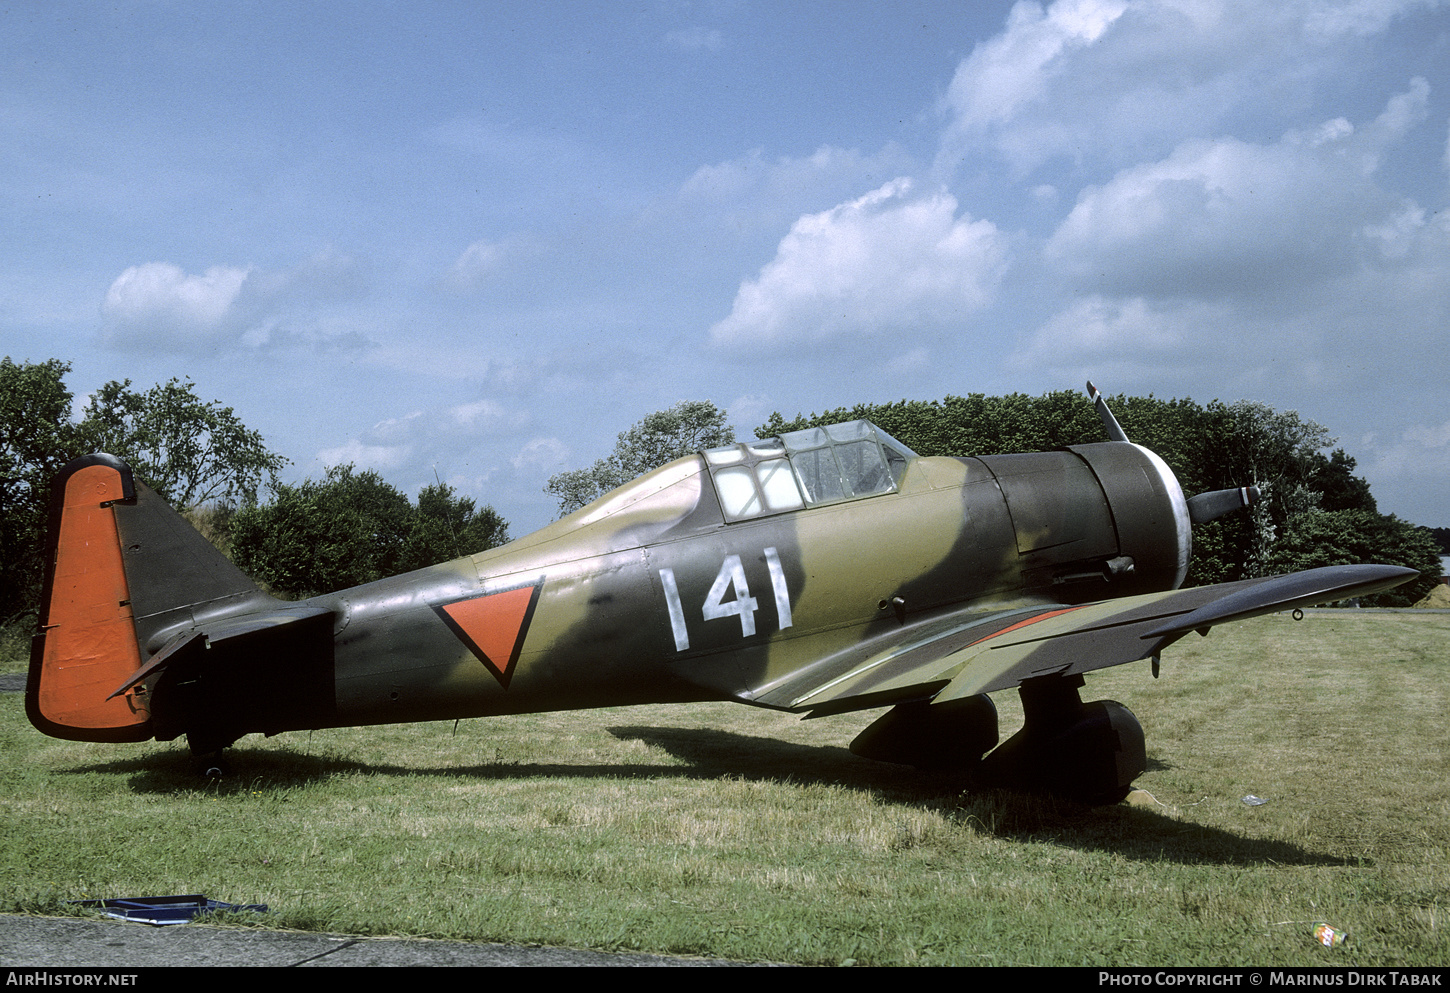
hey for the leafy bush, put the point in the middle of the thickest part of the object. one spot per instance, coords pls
(1349, 537)
(352, 528)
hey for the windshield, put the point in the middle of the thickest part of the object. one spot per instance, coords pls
(807, 468)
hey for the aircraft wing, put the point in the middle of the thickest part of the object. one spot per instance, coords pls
(979, 649)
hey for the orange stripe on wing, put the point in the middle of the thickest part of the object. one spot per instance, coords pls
(1024, 623)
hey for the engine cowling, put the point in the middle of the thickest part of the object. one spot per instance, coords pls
(1111, 512)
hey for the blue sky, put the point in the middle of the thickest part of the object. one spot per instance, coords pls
(475, 241)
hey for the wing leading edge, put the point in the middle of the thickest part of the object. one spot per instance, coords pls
(973, 650)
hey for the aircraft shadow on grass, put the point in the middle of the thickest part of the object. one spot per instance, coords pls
(1136, 833)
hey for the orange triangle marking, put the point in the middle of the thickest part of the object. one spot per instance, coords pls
(493, 626)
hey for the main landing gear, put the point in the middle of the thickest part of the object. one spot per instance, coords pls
(1088, 752)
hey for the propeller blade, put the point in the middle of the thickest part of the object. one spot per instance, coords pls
(1216, 503)
(1114, 429)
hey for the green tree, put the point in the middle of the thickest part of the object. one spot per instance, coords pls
(191, 452)
(661, 437)
(971, 425)
(1277, 452)
(1338, 487)
(1442, 539)
(351, 528)
(319, 536)
(447, 526)
(1349, 537)
(37, 438)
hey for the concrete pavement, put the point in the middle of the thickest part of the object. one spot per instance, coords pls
(67, 942)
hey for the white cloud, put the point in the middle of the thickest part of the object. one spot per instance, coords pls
(1011, 69)
(1228, 217)
(160, 305)
(485, 415)
(161, 298)
(477, 413)
(327, 275)
(747, 411)
(1356, 17)
(398, 430)
(788, 175)
(541, 453)
(1099, 324)
(478, 263)
(1276, 267)
(1123, 341)
(1405, 110)
(365, 456)
(421, 438)
(1217, 216)
(750, 199)
(1045, 194)
(727, 179)
(1100, 81)
(882, 262)
(694, 39)
(1398, 234)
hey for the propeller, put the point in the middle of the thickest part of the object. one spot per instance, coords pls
(1216, 503)
(1115, 430)
(1201, 508)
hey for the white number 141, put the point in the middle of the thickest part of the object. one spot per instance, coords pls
(731, 575)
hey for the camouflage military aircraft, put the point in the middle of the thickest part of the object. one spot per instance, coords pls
(819, 572)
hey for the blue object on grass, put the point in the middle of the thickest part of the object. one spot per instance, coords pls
(164, 909)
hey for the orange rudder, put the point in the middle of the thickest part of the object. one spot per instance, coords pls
(86, 646)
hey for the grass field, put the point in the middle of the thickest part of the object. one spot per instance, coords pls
(721, 830)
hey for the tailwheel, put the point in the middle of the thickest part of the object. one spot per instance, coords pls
(1089, 752)
(211, 766)
(208, 759)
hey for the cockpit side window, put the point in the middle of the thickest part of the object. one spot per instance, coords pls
(819, 474)
(895, 462)
(807, 468)
(778, 485)
(863, 468)
(738, 494)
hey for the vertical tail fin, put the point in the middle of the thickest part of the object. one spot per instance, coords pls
(123, 569)
(86, 643)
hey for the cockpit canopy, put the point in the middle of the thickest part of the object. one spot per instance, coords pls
(807, 468)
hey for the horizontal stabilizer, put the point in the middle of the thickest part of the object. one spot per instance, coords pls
(265, 672)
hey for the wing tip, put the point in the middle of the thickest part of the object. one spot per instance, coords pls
(1298, 589)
